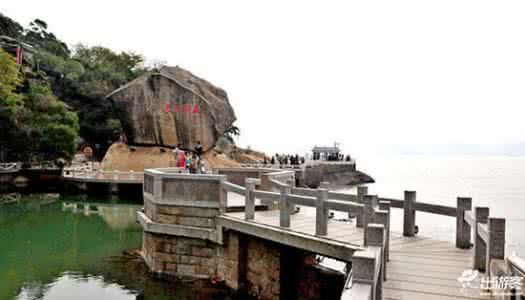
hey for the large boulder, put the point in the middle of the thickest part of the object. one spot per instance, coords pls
(172, 107)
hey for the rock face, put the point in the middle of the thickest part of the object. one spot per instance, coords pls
(170, 107)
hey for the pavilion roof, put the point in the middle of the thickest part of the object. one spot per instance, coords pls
(321, 149)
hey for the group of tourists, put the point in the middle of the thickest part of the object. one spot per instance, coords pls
(190, 160)
(286, 159)
(332, 157)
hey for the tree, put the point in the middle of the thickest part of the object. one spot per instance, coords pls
(9, 100)
(10, 28)
(46, 125)
(38, 36)
(231, 132)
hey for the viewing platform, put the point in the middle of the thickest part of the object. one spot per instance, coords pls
(188, 231)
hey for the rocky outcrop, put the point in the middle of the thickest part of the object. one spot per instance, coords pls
(123, 157)
(172, 107)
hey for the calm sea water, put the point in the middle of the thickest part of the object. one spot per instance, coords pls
(54, 247)
(494, 181)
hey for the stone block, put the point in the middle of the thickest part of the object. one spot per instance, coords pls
(202, 251)
(188, 211)
(186, 269)
(189, 260)
(171, 267)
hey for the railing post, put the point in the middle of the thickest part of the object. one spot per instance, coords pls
(496, 240)
(409, 217)
(361, 191)
(375, 236)
(463, 229)
(249, 199)
(324, 185)
(369, 202)
(385, 205)
(321, 215)
(291, 206)
(481, 215)
(381, 217)
(223, 195)
(284, 207)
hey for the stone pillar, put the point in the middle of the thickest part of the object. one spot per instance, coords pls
(496, 240)
(361, 191)
(385, 205)
(364, 263)
(369, 201)
(481, 215)
(249, 208)
(284, 207)
(462, 227)
(321, 216)
(381, 217)
(409, 216)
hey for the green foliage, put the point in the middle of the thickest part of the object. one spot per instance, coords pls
(38, 36)
(81, 78)
(10, 28)
(9, 76)
(50, 129)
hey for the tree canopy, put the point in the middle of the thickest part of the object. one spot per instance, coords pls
(80, 77)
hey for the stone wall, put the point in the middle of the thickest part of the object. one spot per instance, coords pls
(179, 256)
(182, 238)
(263, 269)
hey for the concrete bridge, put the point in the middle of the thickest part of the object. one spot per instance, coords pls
(189, 230)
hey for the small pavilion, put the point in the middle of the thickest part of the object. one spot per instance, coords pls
(324, 153)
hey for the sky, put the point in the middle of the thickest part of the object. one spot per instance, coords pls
(374, 76)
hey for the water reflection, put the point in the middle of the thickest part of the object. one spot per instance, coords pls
(57, 247)
(74, 286)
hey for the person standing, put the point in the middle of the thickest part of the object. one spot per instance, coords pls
(187, 161)
(181, 159)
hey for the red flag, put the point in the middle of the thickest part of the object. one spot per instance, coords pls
(19, 55)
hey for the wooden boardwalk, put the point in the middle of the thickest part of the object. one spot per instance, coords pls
(419, 267)
(426, 268)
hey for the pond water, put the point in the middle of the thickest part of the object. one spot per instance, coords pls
(57, 247)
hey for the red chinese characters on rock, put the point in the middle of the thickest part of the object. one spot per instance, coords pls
(187, 108)
(183, 108)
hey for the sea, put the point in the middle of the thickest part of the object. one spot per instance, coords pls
(497, 182)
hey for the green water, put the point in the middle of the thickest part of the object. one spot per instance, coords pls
(55, 247)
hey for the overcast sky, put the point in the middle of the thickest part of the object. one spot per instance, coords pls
(394, 76)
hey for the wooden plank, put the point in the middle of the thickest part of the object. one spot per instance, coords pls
(436, 261)
(390, 293)
(445, 281)
(433, 289)
(408, 268)
(458, 258)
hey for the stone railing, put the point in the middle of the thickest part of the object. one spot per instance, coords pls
(182, 235)
(103, 176)
(368, 265)
(238, 175)
(10, 167)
